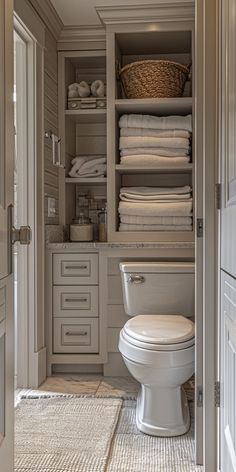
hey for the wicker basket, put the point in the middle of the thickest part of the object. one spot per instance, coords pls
(154, 78)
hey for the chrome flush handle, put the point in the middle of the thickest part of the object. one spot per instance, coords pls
(136, 279)
(23, 235)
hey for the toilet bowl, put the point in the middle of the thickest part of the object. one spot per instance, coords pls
(158, 347)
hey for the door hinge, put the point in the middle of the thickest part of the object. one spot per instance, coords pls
(200, 227)
(217, 394)
(199, 396)
(218, 196)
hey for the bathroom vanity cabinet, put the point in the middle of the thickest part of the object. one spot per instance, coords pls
(75, 329)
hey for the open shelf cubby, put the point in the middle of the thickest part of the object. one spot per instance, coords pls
(170, 41)
(82, 130)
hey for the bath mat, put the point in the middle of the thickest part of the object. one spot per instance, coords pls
(133, 451)
(69, 434)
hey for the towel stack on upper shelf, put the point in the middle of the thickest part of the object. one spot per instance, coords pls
(152, 140)
(155, 209)
(88, 166)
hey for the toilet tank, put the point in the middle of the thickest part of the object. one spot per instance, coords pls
(158, 287)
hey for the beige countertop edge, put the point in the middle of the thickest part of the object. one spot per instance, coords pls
(117, 245)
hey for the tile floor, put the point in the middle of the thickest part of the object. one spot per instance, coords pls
(99, 385)
(91, 385)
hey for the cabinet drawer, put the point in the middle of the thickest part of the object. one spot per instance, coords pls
(72, 269)
(75, 335)
(75, 301)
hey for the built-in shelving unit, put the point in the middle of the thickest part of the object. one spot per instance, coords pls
(82, 131)
(173, 41)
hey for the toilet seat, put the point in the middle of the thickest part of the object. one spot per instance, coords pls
(159, 332)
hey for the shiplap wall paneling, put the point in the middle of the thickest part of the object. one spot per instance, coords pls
(50, 123)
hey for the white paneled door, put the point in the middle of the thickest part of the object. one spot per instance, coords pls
(227, 135)
(6, 200)
(228, 369)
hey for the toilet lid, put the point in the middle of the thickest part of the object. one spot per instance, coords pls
(160, 329)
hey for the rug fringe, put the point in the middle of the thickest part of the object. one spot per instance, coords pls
(38, 395)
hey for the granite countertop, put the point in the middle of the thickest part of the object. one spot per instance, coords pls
(117, 245)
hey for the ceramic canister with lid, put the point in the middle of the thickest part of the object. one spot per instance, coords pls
(81, 229)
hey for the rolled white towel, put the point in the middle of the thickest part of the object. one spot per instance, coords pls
(88, 166)
(79, 161)
(165, 152)
(73, 91)
(156, 209)
(156, 220)
(174, 133)
(76, 164)
(128, 227)
(156, 122)
(84, 89)
(153, 141)
(152, 160)
(98, 88)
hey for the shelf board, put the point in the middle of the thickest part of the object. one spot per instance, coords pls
(84, 180)
(160, 106)
(94, 115)
(162, 237)
(125, 169)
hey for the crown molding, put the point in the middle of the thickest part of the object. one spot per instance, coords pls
(93, 37)
(149, 13)
(78, 33)
(48, 15)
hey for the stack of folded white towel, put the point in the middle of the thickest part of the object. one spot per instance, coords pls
(155, 209)
(88, 166)
(153, 140)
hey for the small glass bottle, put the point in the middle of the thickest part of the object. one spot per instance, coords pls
(102, 225)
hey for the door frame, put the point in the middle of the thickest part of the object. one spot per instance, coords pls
(31, 26)
(207, 12)
(6, 200)
(24, 347)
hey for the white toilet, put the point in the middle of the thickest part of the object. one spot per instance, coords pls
(157, 344)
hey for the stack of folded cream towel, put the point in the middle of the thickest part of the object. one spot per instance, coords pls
(154, 140)
(155, 209)
(88, 166)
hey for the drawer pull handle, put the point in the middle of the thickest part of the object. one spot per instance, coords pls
(76, 299)
(136, 279)
(77, 333)
(76, 267)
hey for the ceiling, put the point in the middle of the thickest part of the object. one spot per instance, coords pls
(82, 12)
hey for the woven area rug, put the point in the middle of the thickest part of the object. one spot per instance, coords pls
(69, 434)
(133, 451)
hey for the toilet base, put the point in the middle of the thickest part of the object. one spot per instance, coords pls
(162, 412)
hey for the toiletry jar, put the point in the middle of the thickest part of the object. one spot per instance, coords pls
(81, 229)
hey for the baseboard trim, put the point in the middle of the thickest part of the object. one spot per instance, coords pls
(37, 368)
